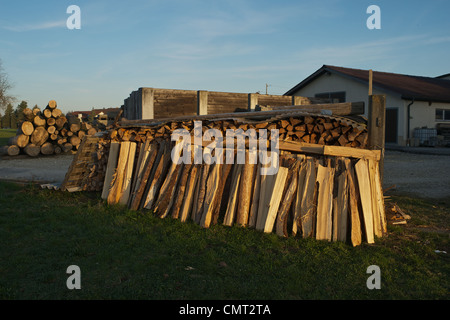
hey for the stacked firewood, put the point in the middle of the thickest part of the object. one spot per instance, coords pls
(314, 129)
(48, 132)
(326, 186)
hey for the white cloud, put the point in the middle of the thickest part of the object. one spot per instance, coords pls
(37, 26)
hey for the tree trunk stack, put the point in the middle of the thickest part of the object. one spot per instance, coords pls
(326, 186)
(48, 132)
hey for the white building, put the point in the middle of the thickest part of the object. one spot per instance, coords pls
(425, 101)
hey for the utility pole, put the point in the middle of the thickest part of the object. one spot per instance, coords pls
(267, 86)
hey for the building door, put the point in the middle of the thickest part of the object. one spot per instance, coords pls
(391, 132)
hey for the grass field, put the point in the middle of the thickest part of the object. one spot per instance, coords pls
(134, 255)
(5, 134)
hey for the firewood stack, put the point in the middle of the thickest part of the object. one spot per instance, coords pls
(48, 132)
(327, 185)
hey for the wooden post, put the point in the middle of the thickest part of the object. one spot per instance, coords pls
(376, 126)
(202, 103)
(252, 101)
(370, 81)
(146, 103)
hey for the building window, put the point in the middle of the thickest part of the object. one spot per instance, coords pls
(334, 97)
(442, 114)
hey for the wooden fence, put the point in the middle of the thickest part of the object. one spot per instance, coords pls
(154, 103)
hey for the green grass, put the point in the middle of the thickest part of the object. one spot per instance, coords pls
(134, 255)
(5, 134)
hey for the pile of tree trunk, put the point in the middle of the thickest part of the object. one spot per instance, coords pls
(48, 132)
(327, 186)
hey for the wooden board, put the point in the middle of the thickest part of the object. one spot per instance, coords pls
(111, 167)
(365, 192)
(275, 199)
(355, 222)
(324, 178)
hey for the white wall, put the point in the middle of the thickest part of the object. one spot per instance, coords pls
(356, 92)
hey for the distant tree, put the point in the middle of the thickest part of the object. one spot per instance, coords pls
(1, 121)
(19, 111)
(5, 86)
(7, 118)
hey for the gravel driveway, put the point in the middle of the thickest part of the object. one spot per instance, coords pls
(422, 175)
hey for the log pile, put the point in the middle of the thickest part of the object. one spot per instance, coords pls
(327, 185)
(48, 132)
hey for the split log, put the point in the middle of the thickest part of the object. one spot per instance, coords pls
(289, 194)
(245, 191)
(47, 148)
(233, 197)
(60, 121)
(355, 222)
(66, 147)
(13, 150)
(189, 199)
(211, 195)
(56, 113)
(32, 150)
(340, 203)
(128, 174)
(47, 113)
(51, 121)
(275, 198)
(116, 190)
(325, 177)
(20, 140)
(27, 128)
(112, 164)
(75, 127)
(39, 121)
(362, 174)
(39, 136)
(308, 205)
(52, 104)
(255, 197)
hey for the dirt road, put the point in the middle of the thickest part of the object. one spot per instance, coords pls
(416, 174)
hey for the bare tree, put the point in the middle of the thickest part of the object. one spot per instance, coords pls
(5, 86)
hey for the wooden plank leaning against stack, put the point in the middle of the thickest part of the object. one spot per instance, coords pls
(327, 185)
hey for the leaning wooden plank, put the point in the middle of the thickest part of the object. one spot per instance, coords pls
(162, 164)
(380, 198)
(233, 197)
(291, 188)
(308, 206)
(128, 174)
(265, 192)
(255, 198)
(165, 199)
(180, 191)
(143, 180)
(198, 212)
(144, 151)
(377, 229)
(111, 167)
(211, 195)
(297, 205)
(355, 222)
(186, 207)
(220, 191)
(362, 174)
(325, 176)
(275, 198)
(340, 204)
(245, 192)
(116, 190)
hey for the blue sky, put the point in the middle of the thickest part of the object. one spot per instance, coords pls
(233, 45)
